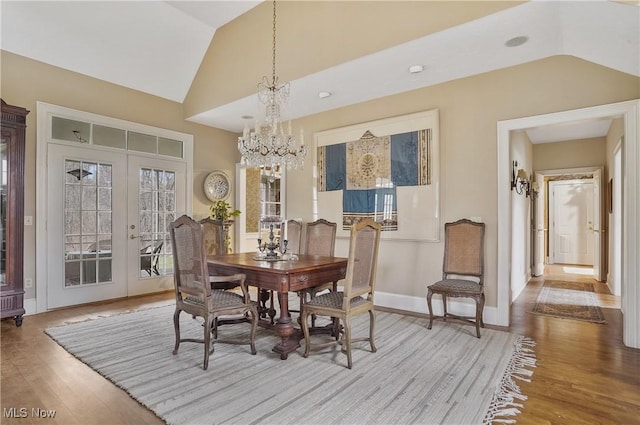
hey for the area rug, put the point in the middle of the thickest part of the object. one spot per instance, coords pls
(417, 376)
(569, 300)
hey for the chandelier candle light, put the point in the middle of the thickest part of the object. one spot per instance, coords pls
(268, 144)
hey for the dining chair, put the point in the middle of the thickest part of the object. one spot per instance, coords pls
(357, 295)
(320, 239)
(293, 231)
(214, 235)
(193, 289)
(462, 270)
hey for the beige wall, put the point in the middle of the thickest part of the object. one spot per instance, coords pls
(570, 154)
(24, 82)
(469, 110)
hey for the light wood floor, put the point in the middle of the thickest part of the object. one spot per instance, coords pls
(585, 375)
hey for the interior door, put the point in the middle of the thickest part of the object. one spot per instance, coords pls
(572, 221)
(156, 197)
(85, 225)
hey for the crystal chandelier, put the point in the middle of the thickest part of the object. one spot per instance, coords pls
(269, 144)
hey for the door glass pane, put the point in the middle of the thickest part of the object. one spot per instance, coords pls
(3, 209)
(170, 147)
(87, 223)
(156, 210)
(70, 130)
(142, 142)
(109, 136)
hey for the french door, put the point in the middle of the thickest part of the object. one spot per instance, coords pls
(156, 197)
(107, 224)
(86, 253)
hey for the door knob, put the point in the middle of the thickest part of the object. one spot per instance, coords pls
(133, 237)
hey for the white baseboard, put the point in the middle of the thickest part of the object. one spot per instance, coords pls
(30, 306)
(389, 300)
(419, 305)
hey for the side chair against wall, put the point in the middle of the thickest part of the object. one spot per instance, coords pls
(462, 270)
(357, 295)
(193, 289)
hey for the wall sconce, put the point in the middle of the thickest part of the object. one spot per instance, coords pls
(519, 180)
(535, 189)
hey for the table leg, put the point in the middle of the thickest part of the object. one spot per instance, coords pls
(264, 295)
(285, 329)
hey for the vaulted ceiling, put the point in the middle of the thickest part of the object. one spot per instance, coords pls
(128, 43)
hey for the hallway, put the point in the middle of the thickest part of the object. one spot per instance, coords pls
(584, 374)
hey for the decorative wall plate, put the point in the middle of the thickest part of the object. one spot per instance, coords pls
(217, 186)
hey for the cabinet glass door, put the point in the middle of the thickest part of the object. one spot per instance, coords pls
(3, 210)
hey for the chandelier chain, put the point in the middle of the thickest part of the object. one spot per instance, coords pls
(275, 84)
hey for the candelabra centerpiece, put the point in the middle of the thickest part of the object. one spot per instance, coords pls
(271, 246)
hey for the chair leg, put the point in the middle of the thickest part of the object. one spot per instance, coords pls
(429, 295)
(372, 327)
(313, 316)
(482, 310)
(346, 342)
(478, 317)
(176, 327)
(254, 326)
(444, 307)
(215, 328)
(207, 341)
(305, 331)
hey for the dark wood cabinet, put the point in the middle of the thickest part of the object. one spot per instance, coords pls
(14, 124)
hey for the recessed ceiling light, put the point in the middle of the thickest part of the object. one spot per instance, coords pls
(416, 69)
(323, 94)
(516, 41)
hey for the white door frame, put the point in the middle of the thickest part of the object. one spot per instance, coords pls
(44, 114)
(615, 227)
(630, 112)
(541, 232)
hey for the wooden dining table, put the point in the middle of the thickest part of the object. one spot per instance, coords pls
(282, 276)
